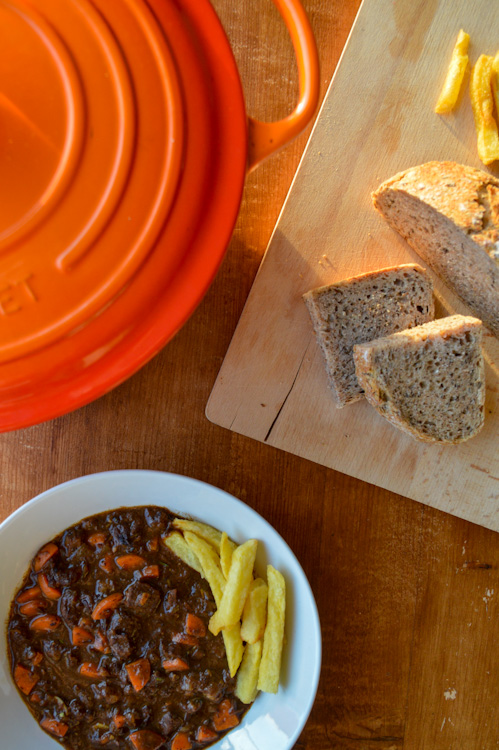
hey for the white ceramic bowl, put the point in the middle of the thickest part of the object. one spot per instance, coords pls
(274, 722)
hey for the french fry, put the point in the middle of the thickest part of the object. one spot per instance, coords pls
(255, 612)
(210, 564)
(227, 548)
(216, 581)
(270, 665)
(455, 74)
(177, 544)
(206, 532)
(494, 80)
(233, 647)
(236, 588)
(483, 110)
(247, 677)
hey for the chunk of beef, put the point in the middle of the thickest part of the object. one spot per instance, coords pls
(53, 649)
(121, 634)
(229, 682)
(78, 710)
(84, 696)
(100, 735)
(18, 635)
(113, 666)
(125, 530)
(73, 605)
(189, 683)
(142, 598)
(105, 693)
(214, 692)
(132, 717)
(170, 601)
(191, 705)
(210, 686)
(217, 648)
(157, 518)
(169, 723)
(201, 599)
(60, 574)
(84, 569)
(104, 587)
(151, 648)
(71, 660)
(71, 540)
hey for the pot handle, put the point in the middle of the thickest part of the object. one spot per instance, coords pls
(264, 138)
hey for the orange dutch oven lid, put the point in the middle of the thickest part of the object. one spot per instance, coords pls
(124, 144)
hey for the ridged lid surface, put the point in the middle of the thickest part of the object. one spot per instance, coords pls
(123, 154)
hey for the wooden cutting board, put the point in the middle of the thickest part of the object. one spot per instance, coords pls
(376, 120)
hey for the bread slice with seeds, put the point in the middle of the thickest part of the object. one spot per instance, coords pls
(429, 381)
(362, 308)
(449, 214)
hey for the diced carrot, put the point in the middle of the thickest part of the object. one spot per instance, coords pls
(45, 623)
(87, 669)
(206, 734)
(185, 639)
(36, 659)
(130, 562)
(119, 721)
(55, 727)
(181, 742)
(28, 595)
(139, 673)
(150, 571)
(44, 555)
(144, 739)
(48, 591)
(101, 643)
(35, 697)
(106, 606)
(31, 609)
(95, 539)
(153, 544)
(225, 718)
(24, 679)
(107, 563)
(194, 625)
(175, 665)
(80, 636)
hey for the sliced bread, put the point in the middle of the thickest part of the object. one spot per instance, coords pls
(428, 381)
(449, 214)
(363, 308)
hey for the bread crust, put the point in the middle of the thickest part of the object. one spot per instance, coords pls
(449, 214)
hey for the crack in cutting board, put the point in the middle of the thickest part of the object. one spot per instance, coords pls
(377, 119)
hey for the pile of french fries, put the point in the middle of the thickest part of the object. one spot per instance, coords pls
(484, 95)
(250, 612)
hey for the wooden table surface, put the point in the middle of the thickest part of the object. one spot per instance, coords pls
(407, 595)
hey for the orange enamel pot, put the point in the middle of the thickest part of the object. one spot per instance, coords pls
(124, 145)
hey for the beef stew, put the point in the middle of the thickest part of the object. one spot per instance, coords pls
(109, 643)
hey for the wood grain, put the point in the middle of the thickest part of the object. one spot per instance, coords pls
(272, 385)
(383, 569)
